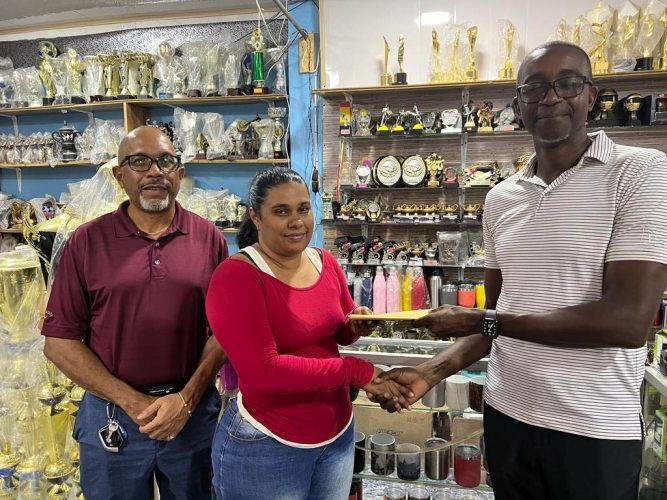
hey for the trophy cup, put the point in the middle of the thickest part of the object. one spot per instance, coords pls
(47, 51)
(625, 37)
(485, 117)
(600, 19)
(650, 33)
(126, 60)
(604, 112)
(60, 71)
(507, 32)
(258, 79)
(111, 76)
(436, 75)
(563, 31)
(277, 114)
(385, 77)
(434, 164)
(363, 120)
(164, 71)
(469, 113)
(93, 78)
(232, 71)
(455, 72)
(451, 121)
(65, 137)
(145, 74)
(471, 73)
(265, 130)
(193, 56)
(363, 174)
(277, 61)
(662, 63)
(74, 70)
(401, 78)
(632, 104)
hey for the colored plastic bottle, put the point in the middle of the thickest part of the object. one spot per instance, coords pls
(367, 290)
(393, 291)
(406, 286)
(379, 292)
(418, 290)
(357, 290)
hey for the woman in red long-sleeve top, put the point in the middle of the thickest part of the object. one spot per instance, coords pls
(279, 310)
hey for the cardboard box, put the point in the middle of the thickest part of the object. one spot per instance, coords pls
(409, 427)
(464, 427)
(660, 434)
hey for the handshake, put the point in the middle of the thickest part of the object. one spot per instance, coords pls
(396, 390)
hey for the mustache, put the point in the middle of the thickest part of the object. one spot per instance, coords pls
(164, 185)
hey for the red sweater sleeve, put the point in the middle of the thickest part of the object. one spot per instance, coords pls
(237, 312)
(345, 335)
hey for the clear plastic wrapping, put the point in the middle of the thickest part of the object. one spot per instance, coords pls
(452, 247)
(219, 143)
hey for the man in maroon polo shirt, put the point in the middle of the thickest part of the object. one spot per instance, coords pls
(126, 320)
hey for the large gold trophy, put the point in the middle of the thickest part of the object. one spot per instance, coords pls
(625, 37)
(385, 77)
(662, 63)
(401, 78)
(650, 32)
(471, 74)
(507, 31)
(436, 74)
(111, 75)
(597, 43)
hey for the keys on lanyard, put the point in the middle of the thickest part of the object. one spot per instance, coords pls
(112, 434)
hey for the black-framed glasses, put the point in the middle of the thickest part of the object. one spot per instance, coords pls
(565, 88)
(141, 163)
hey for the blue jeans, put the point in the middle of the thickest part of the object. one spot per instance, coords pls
(181, 467)
(248, 464)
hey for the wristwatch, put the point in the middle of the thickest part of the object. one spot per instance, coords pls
(490, 326)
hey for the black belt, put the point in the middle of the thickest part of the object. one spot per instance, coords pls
(163, 390)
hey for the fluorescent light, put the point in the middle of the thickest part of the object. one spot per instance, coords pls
(434, 18)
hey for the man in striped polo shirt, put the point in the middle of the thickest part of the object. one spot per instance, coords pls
(576, 254)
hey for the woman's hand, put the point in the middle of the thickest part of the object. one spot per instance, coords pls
(388, 391)
(362, 328)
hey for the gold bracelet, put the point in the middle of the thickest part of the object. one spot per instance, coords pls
(185, 405)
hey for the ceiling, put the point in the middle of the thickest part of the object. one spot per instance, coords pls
(23, 15)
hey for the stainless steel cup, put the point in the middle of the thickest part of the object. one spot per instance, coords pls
(394, 493)
(383, 446)
(435, 397)
(418, 493)
(437, 458)
(408, 461)
(359, 452)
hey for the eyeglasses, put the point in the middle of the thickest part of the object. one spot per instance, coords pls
(565, 88)
(141, 163)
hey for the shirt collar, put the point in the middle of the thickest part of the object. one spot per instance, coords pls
(599, 151)
(123, 225)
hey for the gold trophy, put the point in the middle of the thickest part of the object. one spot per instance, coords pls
(436, 74)
(650, 33)
(507, 31)
(434, 163)
(576, 30)
(455, 69)
(600, 18)
(126, 60)
(624, 39)
(563, 31)
(145, 61)
(111, 76)
(401, 78)
(662, 63)
(74, 69)
(471, 74)
(385, 78)
(47, 50)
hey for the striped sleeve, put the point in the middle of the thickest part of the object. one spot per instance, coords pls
(490, 260)
(640, 224)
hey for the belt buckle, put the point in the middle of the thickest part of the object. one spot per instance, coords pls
(162, 390)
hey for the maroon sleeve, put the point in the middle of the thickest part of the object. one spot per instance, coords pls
(344, 336)
(238, 315)
(68, 310)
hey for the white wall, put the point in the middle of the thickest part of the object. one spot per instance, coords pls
(353, 29)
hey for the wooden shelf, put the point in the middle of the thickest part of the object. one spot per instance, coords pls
(409, 190)
(499, 84)
(429, 266)
(73, 163)
(244, 161)
(11, 231)
(89, 107)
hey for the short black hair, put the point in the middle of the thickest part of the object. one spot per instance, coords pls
(557, 44)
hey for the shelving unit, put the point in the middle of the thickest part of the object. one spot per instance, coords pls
(656, 379)
(47, 165)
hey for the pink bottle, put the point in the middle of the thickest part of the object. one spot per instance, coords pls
(393, 288)
(379, 292)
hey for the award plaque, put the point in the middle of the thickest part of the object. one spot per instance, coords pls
(480, 175)
(485, 117)
(363, 120)
(429, 122)
(451, 121)
(363, 174)
(401, 77)
(345, 118)
(385, 77)
(388, 171)
(373, 212)
(632, 104)
(434, 163)
(450, 177)
(414, 171)
(327, 207)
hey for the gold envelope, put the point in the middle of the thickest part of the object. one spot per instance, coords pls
(393, 316)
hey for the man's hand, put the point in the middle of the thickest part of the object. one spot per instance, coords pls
(135, 406)
(359, 327)
(393, 394)
(166, 416)
(452, 321)
(414, 379)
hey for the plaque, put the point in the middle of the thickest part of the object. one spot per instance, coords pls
(434, 163)
(506, 119)
(480, 175)
(469, 114)
(451, 121)
(414, 171)
(327, 207)
(345, 118)
(374, 212)
(363, 119)
(429, 122)
(450, 177)
(388, 171)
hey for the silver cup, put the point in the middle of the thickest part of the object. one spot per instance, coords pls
(408, 461)
(437, 459)
(435, 397)
(394, 493)
(418, 493)
(382, 453)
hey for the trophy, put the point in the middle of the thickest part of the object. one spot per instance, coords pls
(383, 127)
(265, 129)
(164, 71)
(413, 171)
(650, 33)
(327, 206)
(214, 132)
(111, 75)
(345, 118)
(505, 121)
(508, 49)
(469, 113)
(604, 112)
(471, 73)
(451, 121)
(472, 211)
(5, 86)
(563, 31)
(662, 63)
(231, 71)
(401, 78)
(429, 122)
(65, 137)
(193, 56)
(258, 79)
(436, 75)
(596, 44)
(213, 57)
(93, 78)
(385, 77)
(485, 117)
(126, 59)
(60, 71)
(417, 127)
(363, 174)
(236, 137)
(277, 114)
(363, 120)
(202, 147)
(398, 127)
(47, 51)
(145, 73)
(27, 88)
(655, 109)
(74, 69)
(277, 61)
(625, 37)
(434, 164)
(632, 104)
(455, 72)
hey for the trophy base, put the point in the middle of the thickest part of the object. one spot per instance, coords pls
(633, 123)
(600, 67)
(194, 93)
(450, 184)
(109, 98)
(47, 101)
(417, 129)
(386, 80)
(20, 104)
(95, 98)
(78, 100)
(607, 122)
(179, 96)
(212, 93)
(433, 184)
(660, 64)
(506, 74)
(165, 95)
(278, 155)
(200, 156)
(69, 156)
(399, 130)
(384, 130)
(5, 105)
(450, 130)
(505, 128)
(470, 127)
(125, 96)
(234, 91)
(644, 64)
(400, 79)
(247, 89)
(35, 104)
(144, 96)
(485, 129)
(260, 90)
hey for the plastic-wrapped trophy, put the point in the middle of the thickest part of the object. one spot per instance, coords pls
(231, 70)
(6, 83)
(185, 124)
(508, 47)
(28, 88)
(111, 73)
(471, 72)
(661, 64)
(452, 38)
(237, 138)
(213, 55)
(563, 31)
(127, 75)
(596, 36)
(59, 65)
(93, 78)
(435, 74)
(258, 78)
(624, 39)
(219, 143)
(194, 56)
(145, 74)
(276, 63)
(164, 70)
(264, 129)
(277, 114)
(47, 51)
(651, 30)
(74, 69)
